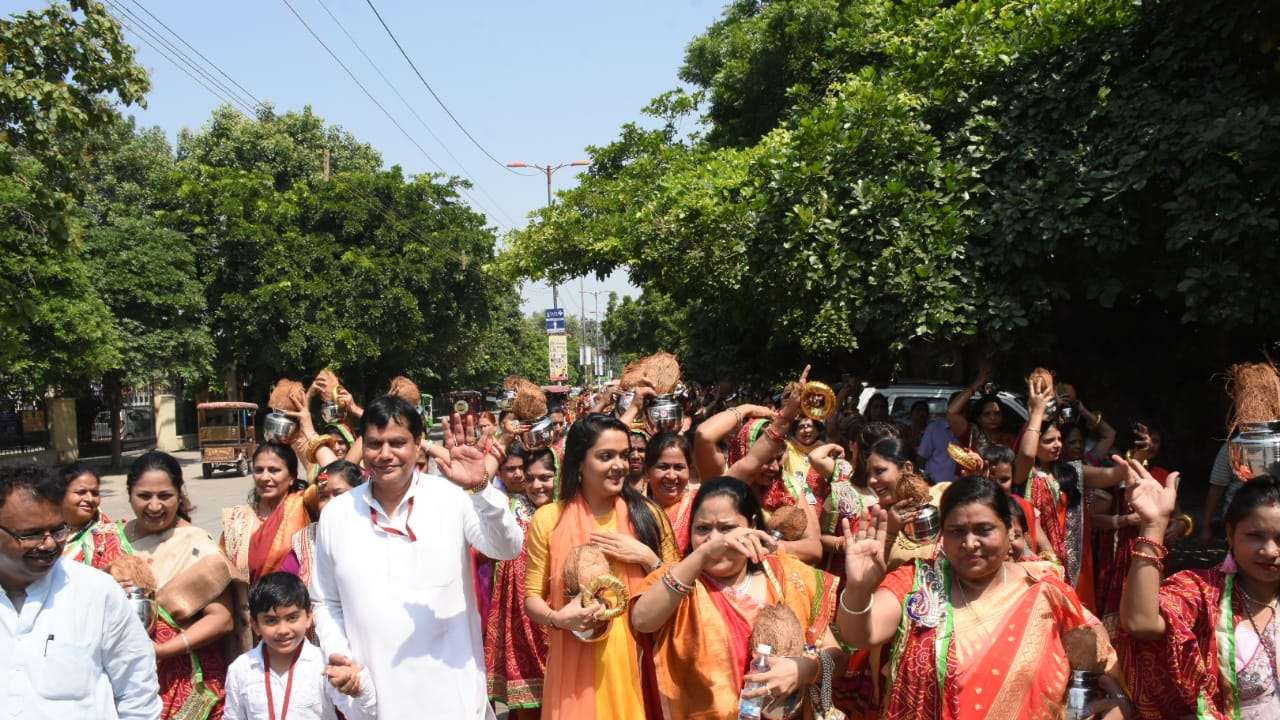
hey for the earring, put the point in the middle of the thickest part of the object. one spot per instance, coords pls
(1228, 564)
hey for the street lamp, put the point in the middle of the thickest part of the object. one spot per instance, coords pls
(550, 170)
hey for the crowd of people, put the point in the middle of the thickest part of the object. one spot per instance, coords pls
(792, 557)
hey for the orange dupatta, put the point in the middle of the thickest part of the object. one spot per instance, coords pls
(272, 542)
(569, 690)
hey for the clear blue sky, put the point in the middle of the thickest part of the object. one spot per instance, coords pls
(532, 81)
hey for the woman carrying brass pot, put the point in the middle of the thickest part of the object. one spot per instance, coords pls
(598, 677)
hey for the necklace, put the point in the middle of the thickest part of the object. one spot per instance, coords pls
(964, 596)
(1267, 648)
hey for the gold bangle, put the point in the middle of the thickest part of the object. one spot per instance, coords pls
(870, 602)
(315, 444)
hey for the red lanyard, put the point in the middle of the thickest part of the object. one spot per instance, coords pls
(373, 517)
(288, 687)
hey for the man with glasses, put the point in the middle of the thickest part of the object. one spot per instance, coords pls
(70, 643)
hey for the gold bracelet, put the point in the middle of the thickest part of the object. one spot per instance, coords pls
(870, 602)
(315, 444)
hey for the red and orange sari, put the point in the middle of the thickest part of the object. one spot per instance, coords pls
(702, 653)
(515, 649)
(1192, 672)
(96, 544)
(680, 513)
(1067, 529)
(959, 670)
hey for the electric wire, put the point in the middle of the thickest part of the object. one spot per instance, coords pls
(431, 90)
(466, 173)
(374, 100)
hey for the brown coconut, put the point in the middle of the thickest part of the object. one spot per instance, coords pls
(405, 389)
(1087, 648)
(789, 521)
(331, 379)
(663, 372)
(633, 376)
(1255, 393)
(1040, 376)
(912, 490)
(778, 627)
(133, 571)
(288, 395)
(530, 403)
(584, 563)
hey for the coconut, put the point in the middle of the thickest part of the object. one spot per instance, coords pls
(788, 521)
(405, 389)
(633, 376)
(331, 378)
(1255, 391)
(530, 403)
(1040, 376)
(912, 490)
(584, 563)
(663, 371)
(1087, 648)
(288, 395)
(133, 571)
(778, 627)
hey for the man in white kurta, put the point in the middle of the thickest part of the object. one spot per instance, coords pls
(392, 579)
(71, 647)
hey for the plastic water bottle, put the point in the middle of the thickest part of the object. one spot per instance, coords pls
(750, 708)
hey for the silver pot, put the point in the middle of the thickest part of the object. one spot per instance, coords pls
(277, 426)
(925, 526)
(330, 411)
(144, 607)
(1255, 449)
(665, 413)
(623, 402)
(506, 399)
(541, 433)
(1082, 690)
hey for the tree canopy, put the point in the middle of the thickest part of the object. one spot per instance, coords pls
(844, 180)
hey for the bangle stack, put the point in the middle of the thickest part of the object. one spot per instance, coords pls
(674, 585)
(773, 434)
(315, 444)
(1160, 551)
(737, 414)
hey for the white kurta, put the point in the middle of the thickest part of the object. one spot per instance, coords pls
(76, 650)
(406, 609)
(310, 698)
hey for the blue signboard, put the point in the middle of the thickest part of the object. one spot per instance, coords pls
(555, 321)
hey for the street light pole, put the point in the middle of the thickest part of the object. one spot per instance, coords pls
(550, 170)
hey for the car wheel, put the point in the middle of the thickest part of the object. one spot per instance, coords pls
(242, 467)
(206, 470)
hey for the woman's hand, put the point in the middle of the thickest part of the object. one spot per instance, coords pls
(625, 548)
(306, 428)
(348, 403)
(829, 451)
(1152, 501)
(1116, 706)
(864, 562)
(575, 617)
(984, 376)
(791, 404)
(752, 544)
(780, 680)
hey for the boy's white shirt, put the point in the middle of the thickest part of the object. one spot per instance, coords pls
(313, 698)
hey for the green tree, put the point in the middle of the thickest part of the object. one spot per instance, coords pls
(62, 71)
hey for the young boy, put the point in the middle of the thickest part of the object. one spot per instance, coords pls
(280, 612)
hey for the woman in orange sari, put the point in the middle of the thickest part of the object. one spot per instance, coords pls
(258, 536)
(702, 609)
(1203, 643)
(975, 635)
(667, 462)
(1056, 490)
(593, 679)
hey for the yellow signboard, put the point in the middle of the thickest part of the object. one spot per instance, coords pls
(558, 357)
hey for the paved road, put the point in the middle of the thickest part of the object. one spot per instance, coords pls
(208, 496)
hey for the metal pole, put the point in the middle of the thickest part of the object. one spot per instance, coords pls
(555, 291)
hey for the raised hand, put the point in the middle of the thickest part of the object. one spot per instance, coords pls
(1039, 394)
(1152, 501)
(466, 464)
(864, 561)
(791, 404)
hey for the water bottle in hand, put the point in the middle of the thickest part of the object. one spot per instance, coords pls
(750, 708)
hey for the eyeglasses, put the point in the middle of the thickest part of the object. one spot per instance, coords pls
(36, 538)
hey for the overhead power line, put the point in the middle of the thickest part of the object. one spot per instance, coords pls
(239, 105)
(433, 92)
(374, 100)
(414, 112)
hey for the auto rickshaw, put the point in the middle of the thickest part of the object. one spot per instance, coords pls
(227, 436)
